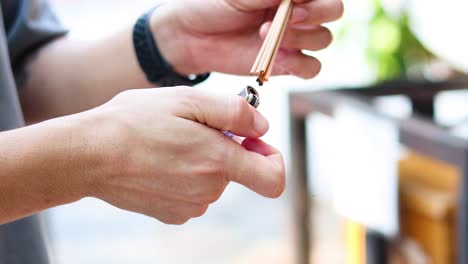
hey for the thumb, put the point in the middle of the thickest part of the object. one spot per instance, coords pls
(258, 166)
(224, 112)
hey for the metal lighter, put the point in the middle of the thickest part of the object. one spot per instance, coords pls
(252, 97)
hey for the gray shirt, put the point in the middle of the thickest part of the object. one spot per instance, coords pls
(24, 26)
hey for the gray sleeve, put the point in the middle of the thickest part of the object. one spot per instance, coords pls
(34, 25)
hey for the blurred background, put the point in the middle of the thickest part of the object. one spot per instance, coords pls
(377, 41)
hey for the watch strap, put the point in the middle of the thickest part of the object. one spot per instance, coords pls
(156, 68)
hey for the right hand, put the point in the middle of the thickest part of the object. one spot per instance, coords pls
(162, 152)
(197, 33)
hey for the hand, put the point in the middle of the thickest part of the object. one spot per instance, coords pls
(162, 152)
(225, 35)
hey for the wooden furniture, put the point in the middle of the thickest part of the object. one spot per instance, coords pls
(419, 133)
(428, 201)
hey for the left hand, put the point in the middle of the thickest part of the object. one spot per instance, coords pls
(198, 36)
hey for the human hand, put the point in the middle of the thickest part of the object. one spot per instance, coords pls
(199, 36)
(161, 152)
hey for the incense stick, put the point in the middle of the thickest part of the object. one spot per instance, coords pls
(263, 65)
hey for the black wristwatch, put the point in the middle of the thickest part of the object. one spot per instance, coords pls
(157, 70)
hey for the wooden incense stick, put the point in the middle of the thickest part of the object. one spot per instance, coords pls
(263, 65)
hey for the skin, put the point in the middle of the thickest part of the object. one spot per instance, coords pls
(158, 152)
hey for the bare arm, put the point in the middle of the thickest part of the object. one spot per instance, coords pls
(155, 152)
(67, 77)
(36, 172)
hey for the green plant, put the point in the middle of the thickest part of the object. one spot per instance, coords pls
(393, 48)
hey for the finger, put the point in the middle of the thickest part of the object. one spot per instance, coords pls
(309, 39)
(201, 182)
(165, 210)
(295, 63)
(223, 112)
(264, 174)
(313, 13)
(179, 213)
(315, 39)
(258, 146)
(174, 212)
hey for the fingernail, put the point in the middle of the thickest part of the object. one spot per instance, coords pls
(264, 29)
(279, 161)
(299, 14)
(260, 123)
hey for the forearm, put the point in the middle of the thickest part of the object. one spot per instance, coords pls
(42, 166)
(139, 152)
(69, 76)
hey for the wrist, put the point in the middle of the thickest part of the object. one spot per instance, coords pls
(107, 141)
(100, 154)
(45, 168)
(69, 157)
(82, 155)
(172, 41)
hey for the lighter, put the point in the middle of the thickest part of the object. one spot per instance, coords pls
(252, 97)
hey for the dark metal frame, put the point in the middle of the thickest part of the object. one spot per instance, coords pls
(418, 133)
